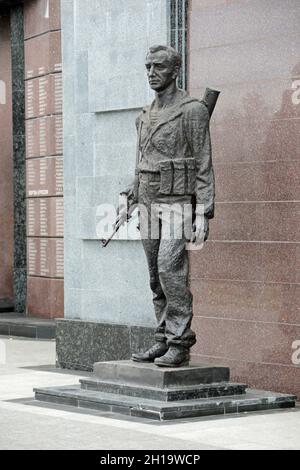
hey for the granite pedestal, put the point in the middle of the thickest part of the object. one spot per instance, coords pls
(145, 390)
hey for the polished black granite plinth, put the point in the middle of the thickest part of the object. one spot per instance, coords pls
(138, 373)
(148, 391)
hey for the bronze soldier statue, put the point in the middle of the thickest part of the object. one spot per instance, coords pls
(174, 166)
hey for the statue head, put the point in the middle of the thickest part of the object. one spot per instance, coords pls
(163, 64)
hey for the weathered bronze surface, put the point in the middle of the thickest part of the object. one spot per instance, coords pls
(174, 166)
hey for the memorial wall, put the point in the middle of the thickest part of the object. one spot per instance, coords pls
(44, 158)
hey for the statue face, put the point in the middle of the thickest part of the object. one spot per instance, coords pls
(160, 71)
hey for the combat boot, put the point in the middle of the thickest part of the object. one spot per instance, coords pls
(159, 349)
(176, 356)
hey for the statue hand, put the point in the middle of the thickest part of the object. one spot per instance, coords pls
(131, 192)
(200, 230)
(122, 213)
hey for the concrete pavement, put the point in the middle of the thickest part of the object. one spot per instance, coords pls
(24, 424)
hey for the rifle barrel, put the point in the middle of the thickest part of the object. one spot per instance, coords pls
(105, 242)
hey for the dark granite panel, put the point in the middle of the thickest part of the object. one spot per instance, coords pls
(94, 405)
(166, 394)
(141, 338)
(17, 39)
(80, 344)
(18, 65)
(124, 410)
(74, 366)
(108, 341)
(20, 246)
(145, 414)
(17, 25)
(20, 289)
(70, 401)
(18, 124)
(180, 414)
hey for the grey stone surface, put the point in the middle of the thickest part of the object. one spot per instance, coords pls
(73, 299)
(145, 374)
(252, 400)
(125, 32)
(79, 344)
(99, 38)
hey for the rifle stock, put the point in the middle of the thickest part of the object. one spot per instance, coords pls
(210, 99)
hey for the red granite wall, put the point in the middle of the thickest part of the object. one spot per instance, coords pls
(6, 164)
(246, 279)
(44, 164)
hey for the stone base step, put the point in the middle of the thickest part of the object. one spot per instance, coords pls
(150, 375)
(189, 392)
(252, 400)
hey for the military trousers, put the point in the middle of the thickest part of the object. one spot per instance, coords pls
(165, 229)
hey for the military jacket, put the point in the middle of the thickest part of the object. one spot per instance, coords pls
(180, 135)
